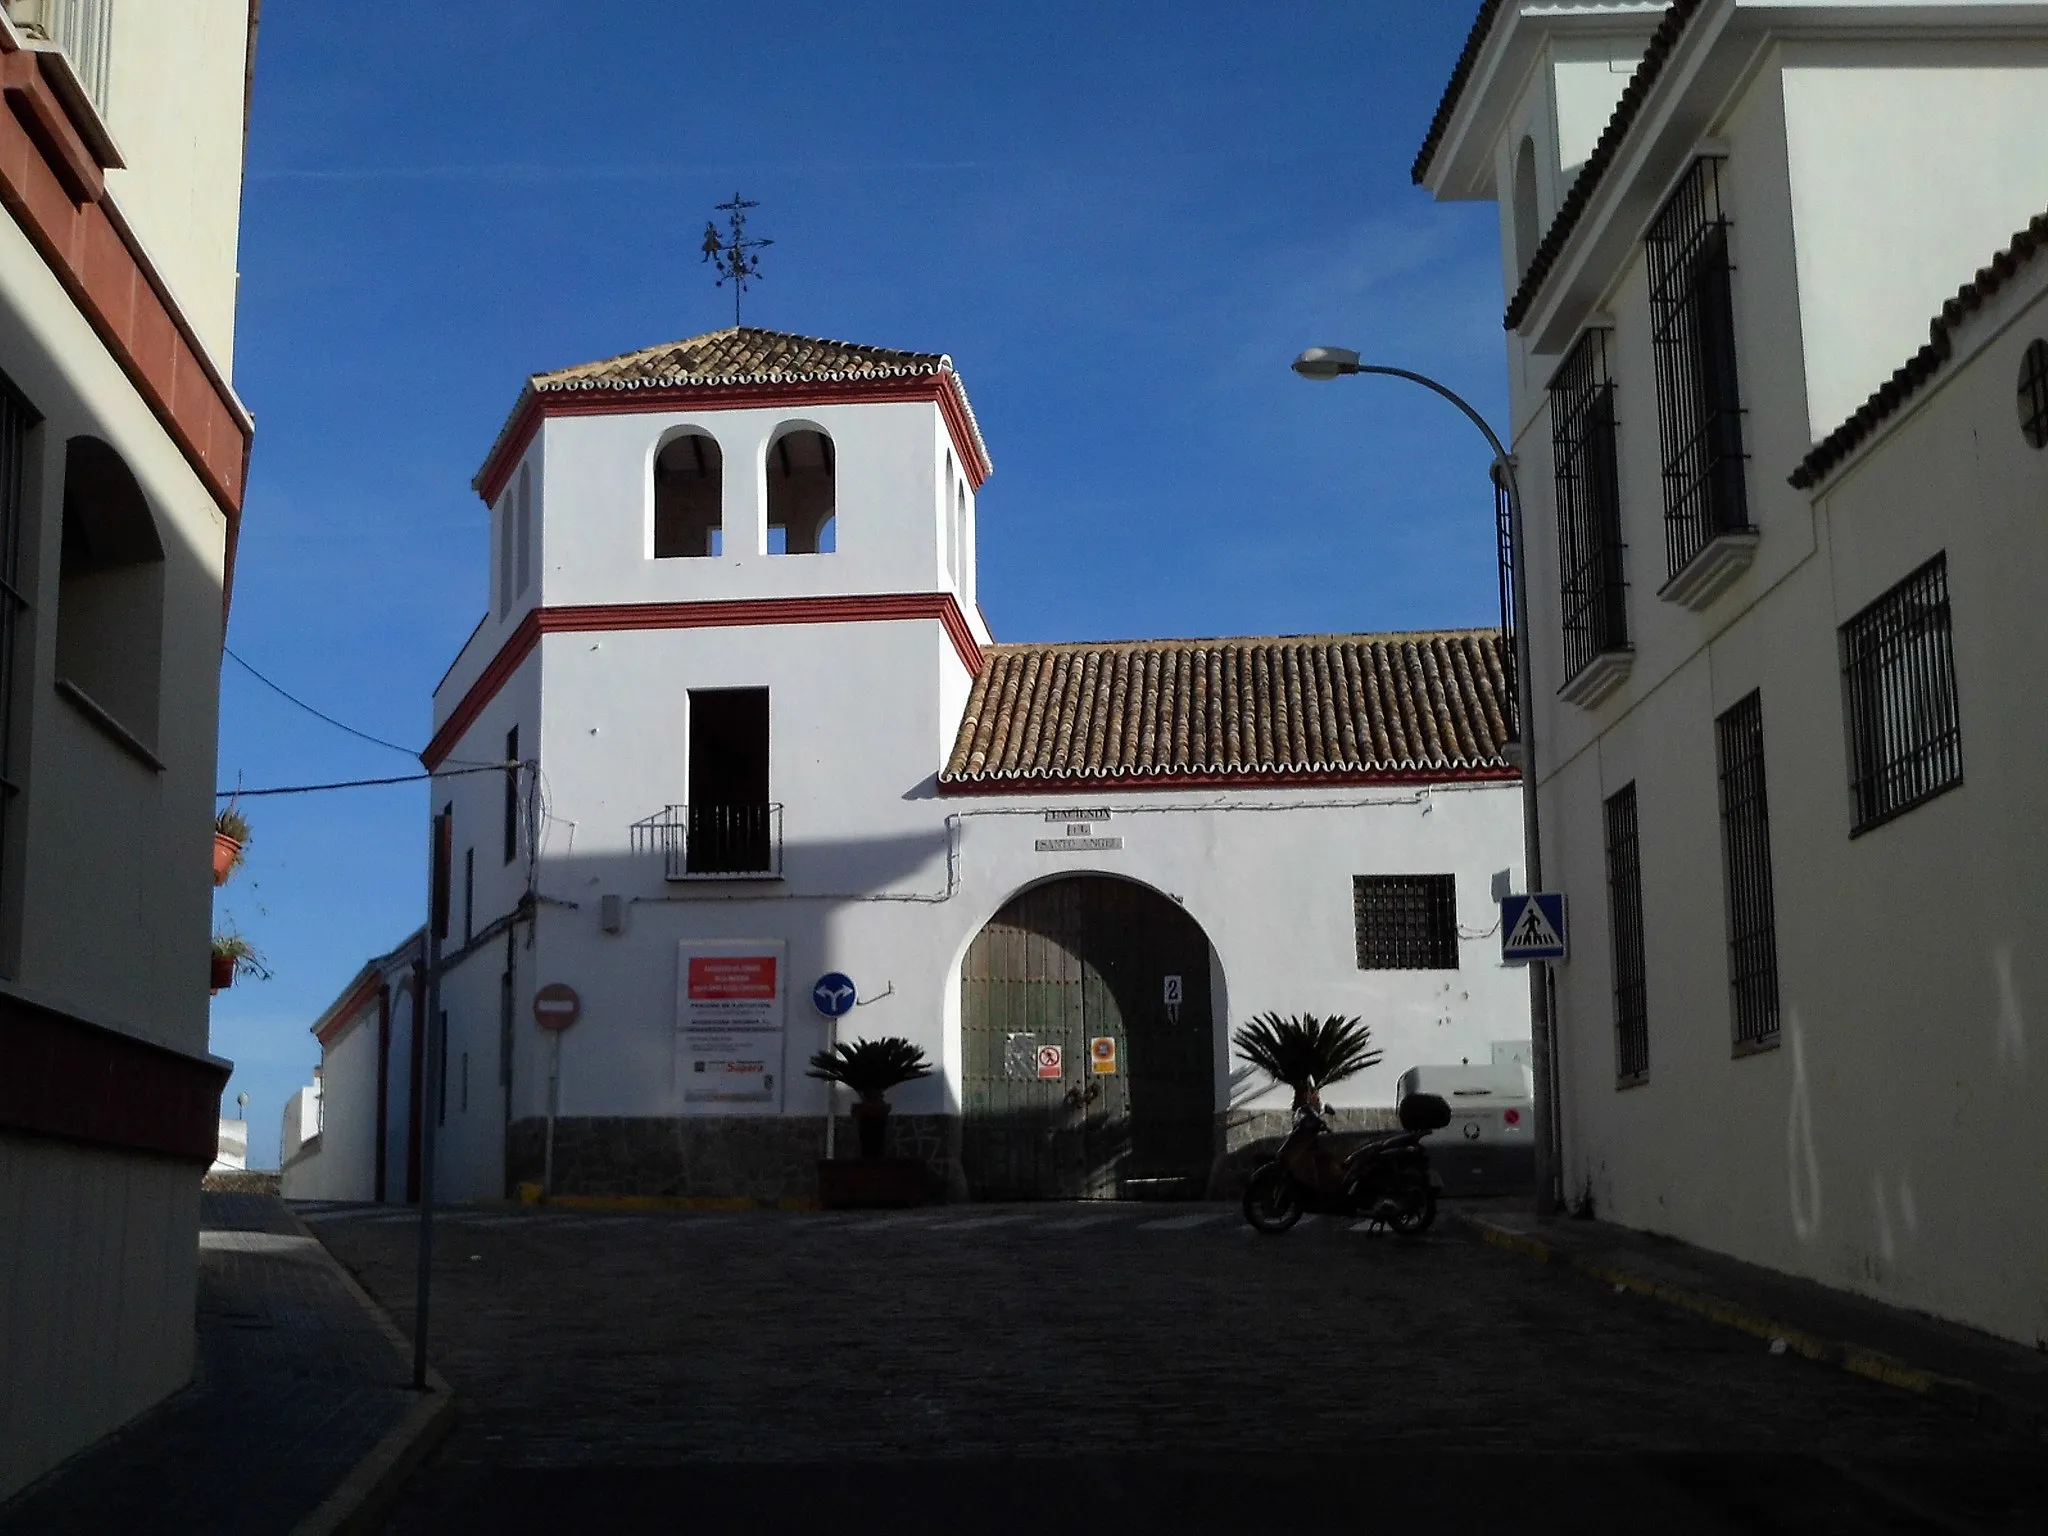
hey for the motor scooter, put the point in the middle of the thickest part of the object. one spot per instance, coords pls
(1388, 1181)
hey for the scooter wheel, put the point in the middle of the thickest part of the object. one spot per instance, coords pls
(1418, 1212)
(1272, 1204)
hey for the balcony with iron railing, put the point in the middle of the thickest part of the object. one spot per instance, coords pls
(83, 29)
(713, 842)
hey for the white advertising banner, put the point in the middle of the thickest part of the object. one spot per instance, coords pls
(730, 997)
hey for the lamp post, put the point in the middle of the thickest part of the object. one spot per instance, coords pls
(1335, 362)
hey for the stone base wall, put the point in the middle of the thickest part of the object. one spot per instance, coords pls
(757, 1157)
(1252, 1136)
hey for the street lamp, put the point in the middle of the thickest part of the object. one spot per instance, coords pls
(1333, 363)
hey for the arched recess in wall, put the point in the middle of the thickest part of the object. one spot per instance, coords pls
(1526, 229)
(802, 471)
(689, 496)
(525, 537)
(110, 590)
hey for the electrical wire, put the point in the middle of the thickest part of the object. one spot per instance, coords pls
(290, 697)
(402, 778)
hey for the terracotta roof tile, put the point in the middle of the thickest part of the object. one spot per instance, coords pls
(1662, 42)
(1461, 72)
(1922, 365)
(1309, 709)
(742, 355)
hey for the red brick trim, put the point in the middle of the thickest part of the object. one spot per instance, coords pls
(939, 387)
(83, 1082)
(338, 1017)
(740, 613)
(1247, 778)
(100, 263)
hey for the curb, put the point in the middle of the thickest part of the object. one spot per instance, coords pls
(529, 1194)
(1858, 1360)
(362, 1500)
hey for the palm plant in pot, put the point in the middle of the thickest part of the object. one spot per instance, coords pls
(871, 1068)
(230, 837)
(235, 956)
(1306, 1052)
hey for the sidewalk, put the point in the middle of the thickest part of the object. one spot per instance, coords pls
(299, 1419)
(2001, 1383)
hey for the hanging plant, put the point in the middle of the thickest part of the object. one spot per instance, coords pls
(235, 956)
(230, 837)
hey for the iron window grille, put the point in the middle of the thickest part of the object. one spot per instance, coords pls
(1746, 861)
(1699, 408)
(1405, 922)
(1625, 925)
(1588, 505)
(1899, 684)
(18, 421)
(2033, 393)
(1504, 542)
(511, 795)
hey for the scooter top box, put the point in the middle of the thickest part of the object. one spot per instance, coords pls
(1424, 1112)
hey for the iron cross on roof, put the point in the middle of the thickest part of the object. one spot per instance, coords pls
(732, 255)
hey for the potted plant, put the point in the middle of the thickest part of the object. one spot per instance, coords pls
(1305, 1052)
(230, 837)
(235, 956)
(871, 1068)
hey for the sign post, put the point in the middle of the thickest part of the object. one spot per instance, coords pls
(555, 1007)
(441, 868)
(834, 996)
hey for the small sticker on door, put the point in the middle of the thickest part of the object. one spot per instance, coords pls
(1049, 1064)
(1102, 1055)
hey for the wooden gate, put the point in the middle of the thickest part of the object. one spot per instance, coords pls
(1075, 961)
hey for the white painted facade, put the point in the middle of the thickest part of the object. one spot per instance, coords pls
(1873, 157)
(883, 877)
(104, 895)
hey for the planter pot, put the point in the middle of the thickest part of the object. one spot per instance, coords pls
(866, 1182)
(871, 1119)
(225, 851)
(223, 971)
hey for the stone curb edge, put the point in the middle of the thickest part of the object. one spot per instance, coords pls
(363, 1498)
(529, 1194)
(1873, 1365)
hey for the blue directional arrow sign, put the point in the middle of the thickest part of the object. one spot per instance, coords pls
(833, 995)
(1532, 927)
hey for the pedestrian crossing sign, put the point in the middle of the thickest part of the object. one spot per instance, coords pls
(1532, 927)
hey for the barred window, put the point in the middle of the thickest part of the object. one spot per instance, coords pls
(1406, 922)
(1746, 860)
(2033, 393)
(1699, 409)
(1899, 686)
(18, 420)
(1625, 929)
(1588, 505)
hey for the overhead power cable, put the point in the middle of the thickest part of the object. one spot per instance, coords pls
(403, 778)
(290, 697)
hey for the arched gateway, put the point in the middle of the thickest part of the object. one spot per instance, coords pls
(1066, 965)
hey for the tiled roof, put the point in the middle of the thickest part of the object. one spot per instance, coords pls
(1921, 366)
(1308, 709)
(743, 355)
(1662, 42)
(1461, 72)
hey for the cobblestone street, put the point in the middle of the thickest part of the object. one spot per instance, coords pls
(1163, 1366)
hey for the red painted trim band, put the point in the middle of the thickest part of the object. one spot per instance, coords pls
(1248, 778)
(739, 613)
(338, 1018)
(82, 1082)
(937, 388)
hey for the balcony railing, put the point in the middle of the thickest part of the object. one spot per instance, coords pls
(714, 842)
(82, 28)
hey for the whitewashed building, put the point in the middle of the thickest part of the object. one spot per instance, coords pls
(1786, 548)
(123, 454)
(765, 736)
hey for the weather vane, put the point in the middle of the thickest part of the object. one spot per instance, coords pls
(732, 255)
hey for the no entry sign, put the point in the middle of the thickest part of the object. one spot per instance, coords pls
(556, 1006)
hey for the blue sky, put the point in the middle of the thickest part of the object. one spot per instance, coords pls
(1121, 221)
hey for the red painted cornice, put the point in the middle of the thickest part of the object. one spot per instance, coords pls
(51, 185)
(740, 613)
(340, 1016)
(939, 387)
(1249, 778)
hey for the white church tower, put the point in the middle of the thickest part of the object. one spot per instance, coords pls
(731, 615)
